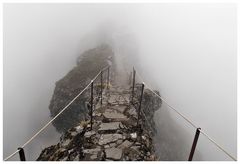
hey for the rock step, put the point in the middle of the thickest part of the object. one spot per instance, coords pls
(110, 126)
(114, 115)
(110, 138)
(113, 153)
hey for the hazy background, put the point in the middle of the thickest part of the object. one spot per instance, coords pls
(186, 51)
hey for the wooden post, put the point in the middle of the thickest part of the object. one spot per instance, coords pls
(140, 104)
(21, 154)
(194, 144)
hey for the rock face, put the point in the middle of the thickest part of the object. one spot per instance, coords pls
(88, 65)
(114, 134)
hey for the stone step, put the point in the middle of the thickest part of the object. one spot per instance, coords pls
(117, 99)
(125, 144)
(114, 115)
(110, 126)
(119, 108)
(110, 138)
(114, 153)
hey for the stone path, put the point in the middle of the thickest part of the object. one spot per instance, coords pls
(114, 135)
(115, 129)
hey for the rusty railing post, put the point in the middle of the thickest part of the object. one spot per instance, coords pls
(21, 154)
(134, 73)
(194, 144)
(140, 104)
(101, 86)
(91, 112)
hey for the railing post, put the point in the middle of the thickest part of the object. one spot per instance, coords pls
(21, 154)
(91, 112)
(133, 84)
(140, 104)
(108, 78)
(101, 86)
(194, 144)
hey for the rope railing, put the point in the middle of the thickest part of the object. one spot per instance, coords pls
(219, 146)
(182, 115)
(198, 130)
(20, 149)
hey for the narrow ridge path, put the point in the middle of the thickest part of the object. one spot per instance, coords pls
(114, 135)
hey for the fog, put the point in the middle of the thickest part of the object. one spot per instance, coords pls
(186, 51)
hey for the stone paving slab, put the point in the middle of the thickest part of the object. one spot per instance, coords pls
(125, 144)
(108, 138)
(114, 153)
(119, 108)
(110, 126)
(113, 115)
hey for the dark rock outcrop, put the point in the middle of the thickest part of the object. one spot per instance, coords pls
(88, 65)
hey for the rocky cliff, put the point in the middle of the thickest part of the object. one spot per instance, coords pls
(88, 65)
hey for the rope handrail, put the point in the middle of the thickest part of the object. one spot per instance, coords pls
(219, 146)
(46, 125)
(185, 118)
(10, 156)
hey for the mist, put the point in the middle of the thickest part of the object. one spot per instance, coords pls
(186, 51)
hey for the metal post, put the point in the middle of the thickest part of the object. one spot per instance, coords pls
(108, 78)
(91, 112)
(101, 86)
(140, 104)
(21, 154)
(194, 144)
(134, 73)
